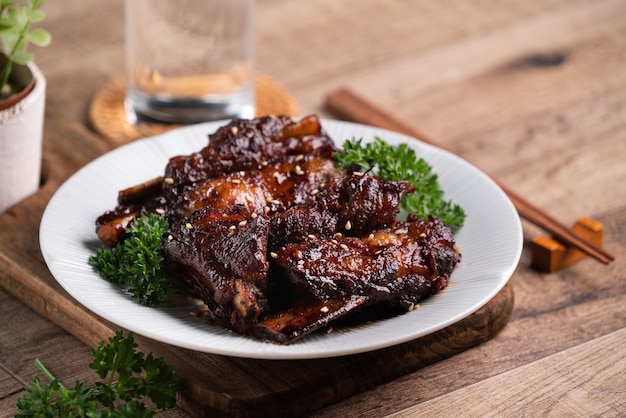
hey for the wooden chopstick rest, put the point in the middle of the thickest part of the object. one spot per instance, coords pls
(550, 255)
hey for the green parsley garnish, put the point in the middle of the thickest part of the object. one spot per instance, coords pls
(128, 379)
(401, 163)
(137, 262)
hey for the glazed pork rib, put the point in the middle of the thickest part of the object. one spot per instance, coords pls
(241, 145)
(319, 269)
(218, 243)
(273, 188)
(277, 241)
(244, 145)
(329, 278)
(351, 205)
(221, 255)
(398, 266)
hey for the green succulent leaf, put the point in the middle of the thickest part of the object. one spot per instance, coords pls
(16, 33)
(5, 23)
(39, 37)
(34, 15)
(16, 15)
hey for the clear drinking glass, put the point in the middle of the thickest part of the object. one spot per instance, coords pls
(189, 61)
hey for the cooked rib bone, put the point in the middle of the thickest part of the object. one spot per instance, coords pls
(140, 192)
(287, 326)
(112, 225)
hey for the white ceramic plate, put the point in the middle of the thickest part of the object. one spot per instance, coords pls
(490, 243)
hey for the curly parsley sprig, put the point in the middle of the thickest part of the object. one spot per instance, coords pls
(401, 163)
(137, 262)
(128, 380)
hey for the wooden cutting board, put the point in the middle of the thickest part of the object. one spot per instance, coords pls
(214, 384)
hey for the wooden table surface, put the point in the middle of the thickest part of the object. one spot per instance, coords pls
(532, 92)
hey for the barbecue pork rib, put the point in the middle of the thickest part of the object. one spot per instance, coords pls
(211, 248)
(244, 145)
(222, 256)
(323, 279)
(277, 241)
(351, 205)
(273, 188)
(241, 145)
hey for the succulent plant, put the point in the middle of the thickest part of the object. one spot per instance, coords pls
(16, 35)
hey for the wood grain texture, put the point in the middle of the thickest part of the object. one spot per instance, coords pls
(533, 92)
(598, 365)
(241, 387)
(553, 312)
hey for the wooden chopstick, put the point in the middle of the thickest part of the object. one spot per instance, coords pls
(349, 106)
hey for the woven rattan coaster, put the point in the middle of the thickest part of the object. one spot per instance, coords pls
(108, 117)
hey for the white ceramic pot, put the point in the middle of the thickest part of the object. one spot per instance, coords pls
(21, 135)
